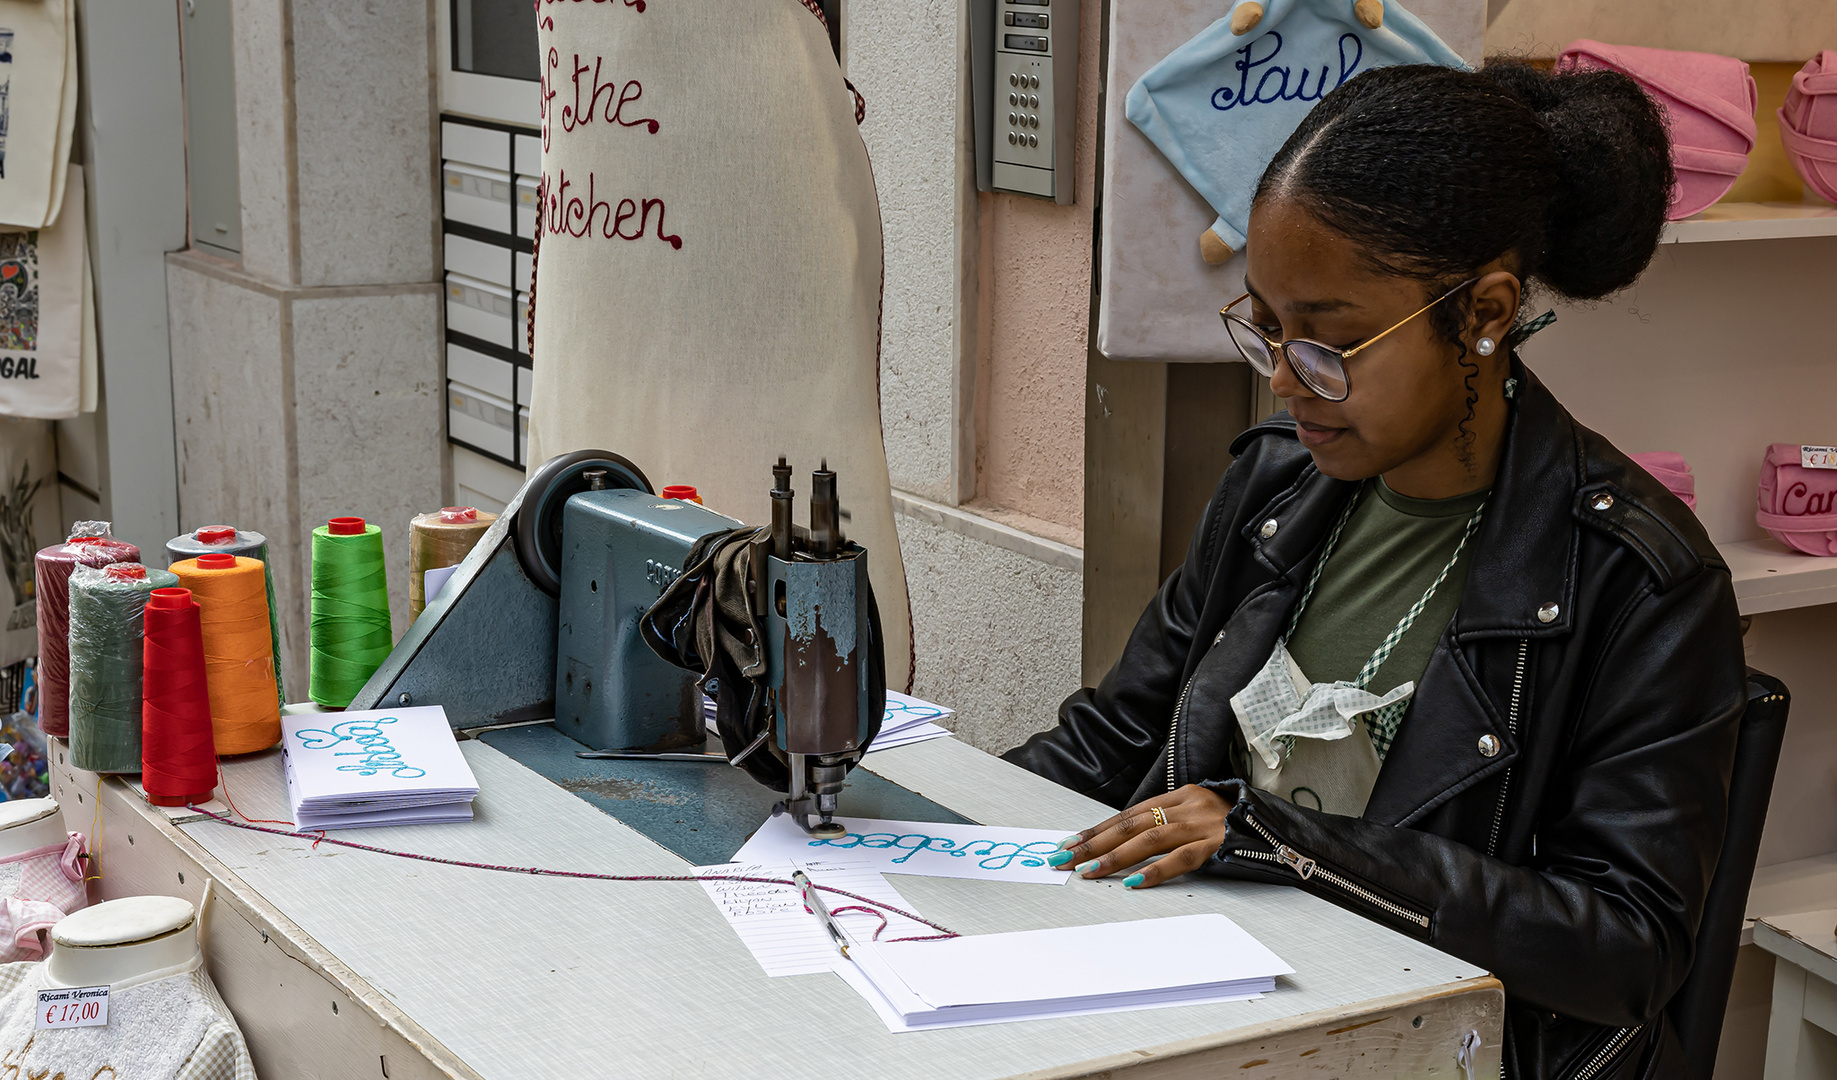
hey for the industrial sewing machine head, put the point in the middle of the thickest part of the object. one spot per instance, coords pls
(546, 617)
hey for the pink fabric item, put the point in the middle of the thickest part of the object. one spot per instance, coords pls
(1808, 124)
(1673, 471)
(1710, 102)
(49, 886)
(1798, 506)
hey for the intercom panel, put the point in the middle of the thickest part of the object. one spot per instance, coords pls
(1025, 65)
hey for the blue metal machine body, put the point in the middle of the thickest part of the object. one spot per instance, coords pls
(620, 549)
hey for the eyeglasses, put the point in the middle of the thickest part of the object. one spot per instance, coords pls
(1322, 368)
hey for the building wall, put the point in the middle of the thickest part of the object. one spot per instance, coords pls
(306, 379)
(982, 377)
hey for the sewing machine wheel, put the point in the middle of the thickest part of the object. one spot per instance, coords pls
(538, 525)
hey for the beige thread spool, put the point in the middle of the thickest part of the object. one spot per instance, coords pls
(441, 539)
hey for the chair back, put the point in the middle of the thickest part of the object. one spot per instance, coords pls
(1696, 1010)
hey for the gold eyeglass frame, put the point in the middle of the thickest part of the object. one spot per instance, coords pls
(1340, 356)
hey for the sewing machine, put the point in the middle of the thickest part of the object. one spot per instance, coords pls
(541, 620)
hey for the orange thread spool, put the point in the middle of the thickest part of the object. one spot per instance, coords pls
(232, 594)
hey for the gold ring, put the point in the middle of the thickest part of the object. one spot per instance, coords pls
(1160, 817)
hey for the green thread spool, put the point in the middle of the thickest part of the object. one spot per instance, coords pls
(107, 606)
(351, 632)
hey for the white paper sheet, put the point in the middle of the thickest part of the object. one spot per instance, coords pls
(1067, 971)
(1102, 960)
(784, 936)
(923, 731)
(928, 849)
(861, 984)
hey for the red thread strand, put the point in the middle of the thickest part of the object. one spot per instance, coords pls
(178, 753)
(52, 569)
(318, 837)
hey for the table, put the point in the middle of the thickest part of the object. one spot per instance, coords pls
(342, 963)
(1802, 1030)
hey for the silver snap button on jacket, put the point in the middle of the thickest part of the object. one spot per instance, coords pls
(1489, 745)
(1548, 612)
(1269, 528)
(1602, 501)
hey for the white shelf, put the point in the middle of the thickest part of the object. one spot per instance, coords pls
(1772, 577)
(1791, 889)
(1753, 221)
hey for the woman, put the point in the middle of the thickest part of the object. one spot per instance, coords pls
(1438, 653)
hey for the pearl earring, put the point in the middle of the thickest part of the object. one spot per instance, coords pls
(1484, 346)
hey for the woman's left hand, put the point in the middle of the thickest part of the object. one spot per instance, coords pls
(1194, 829)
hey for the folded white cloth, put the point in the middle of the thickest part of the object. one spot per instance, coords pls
(1280, 701)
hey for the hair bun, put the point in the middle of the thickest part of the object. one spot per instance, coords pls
(1614, 178)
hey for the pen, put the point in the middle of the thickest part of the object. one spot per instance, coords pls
(815, 903)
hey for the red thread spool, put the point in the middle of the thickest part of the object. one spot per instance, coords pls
(685, 492)
(215, 534)
(458, 515)
(177, 754)
(53, 566)
(345, 526)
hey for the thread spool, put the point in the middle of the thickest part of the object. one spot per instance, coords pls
(251, 545)
(238, 652)
(106, 658)
(177, 754)
(685, 492)
(351, 632)
(91, 543)
(442, 538)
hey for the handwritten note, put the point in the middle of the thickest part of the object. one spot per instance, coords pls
(925, 848)
(784, 936)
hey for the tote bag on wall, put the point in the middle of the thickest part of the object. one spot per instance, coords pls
(709, 263)
(47, 317)
(38, 108)
(30, 519)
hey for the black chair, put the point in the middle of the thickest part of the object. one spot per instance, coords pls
(1696, 1011)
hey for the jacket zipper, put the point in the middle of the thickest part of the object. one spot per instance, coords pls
(1619, 1041)
(1308, 870)
(1511, 725)
(1173, 730)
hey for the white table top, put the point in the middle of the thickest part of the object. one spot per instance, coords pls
(534, 976)
(1808, 939)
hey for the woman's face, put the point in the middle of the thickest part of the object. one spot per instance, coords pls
(1408, 394)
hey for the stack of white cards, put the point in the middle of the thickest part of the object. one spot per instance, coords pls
(907, 720)
(352, 770)
(1068, 971)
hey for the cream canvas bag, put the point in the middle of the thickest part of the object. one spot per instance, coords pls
(38, 108)
(707, 292)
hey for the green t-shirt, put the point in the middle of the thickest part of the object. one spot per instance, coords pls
(1389, 552)
(1391, 549)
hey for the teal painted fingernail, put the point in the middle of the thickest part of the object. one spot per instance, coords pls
(1070, 841)
(1087, 867)
(1132, 881)
(1058, 858)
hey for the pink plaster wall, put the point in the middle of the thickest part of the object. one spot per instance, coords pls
(1035, 283)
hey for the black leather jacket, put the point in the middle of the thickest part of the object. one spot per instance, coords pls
(1554, 803)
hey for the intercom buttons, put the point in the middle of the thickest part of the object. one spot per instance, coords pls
(1033, 140)
(1013, 79)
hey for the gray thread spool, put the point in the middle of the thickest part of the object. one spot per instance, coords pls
(106, 627)
(230, 540)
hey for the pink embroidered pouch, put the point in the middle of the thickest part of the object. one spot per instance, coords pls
(1808, 124)
(1671, 470)
(1798, 497)
(1709, 101)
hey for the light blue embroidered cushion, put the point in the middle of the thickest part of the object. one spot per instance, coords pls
(1221, 105)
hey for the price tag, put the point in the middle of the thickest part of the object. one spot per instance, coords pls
(73, 1006)
(1818, 457)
